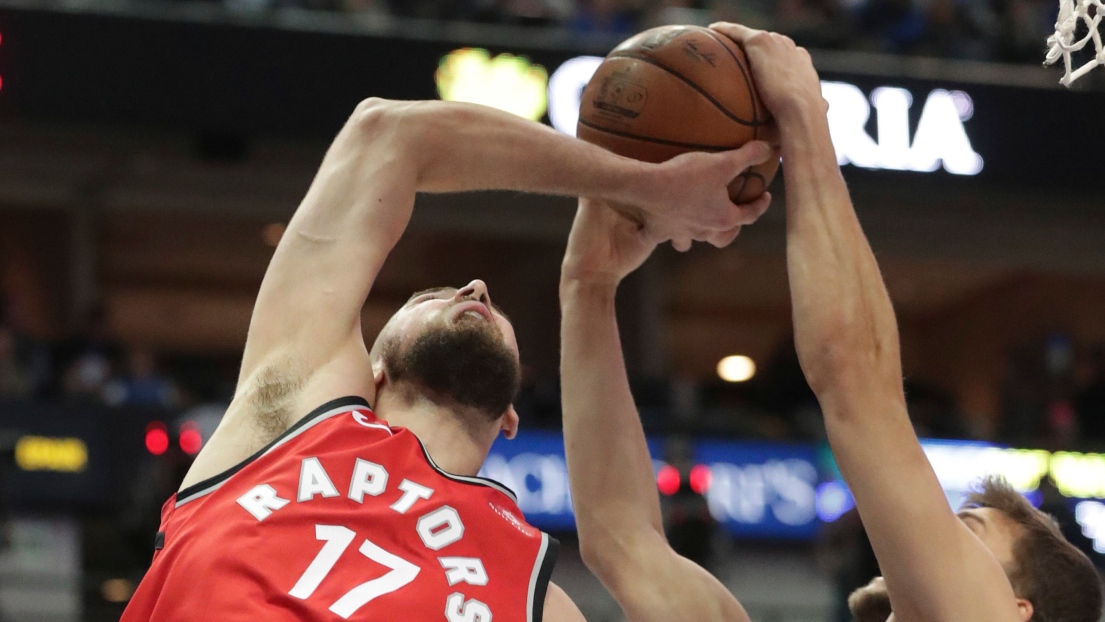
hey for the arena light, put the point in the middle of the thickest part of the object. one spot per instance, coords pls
(191, 439)
(117, 590)
(43, 453)
(507, 82)
(272, 233)
(1079, 475)
(833, 501)
(736, 368)
(566, 88)
(701, 478)
(1091, 517)
(157, 438)
(668, 480)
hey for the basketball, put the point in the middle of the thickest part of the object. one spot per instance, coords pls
(675, 89)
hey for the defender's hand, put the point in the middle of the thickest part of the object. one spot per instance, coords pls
(784, 74)
(686, 199)
(604, 245)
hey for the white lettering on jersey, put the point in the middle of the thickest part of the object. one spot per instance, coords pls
(313, 480)
(440, 528)
(368, 477)
(459, 610)
(467, 569)
(411, 492)
(261, 501)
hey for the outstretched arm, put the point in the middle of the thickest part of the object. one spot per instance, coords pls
(305, 345)
(621, 534)
(847, 340)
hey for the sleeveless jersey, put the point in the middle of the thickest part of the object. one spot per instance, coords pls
(344, 518)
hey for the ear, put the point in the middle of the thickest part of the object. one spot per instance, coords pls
(510, 423)
(379, 375)
(1026, 609)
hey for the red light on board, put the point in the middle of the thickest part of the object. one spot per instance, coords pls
(157, 438)
(701, 478)
(191, 440)
(668, 480)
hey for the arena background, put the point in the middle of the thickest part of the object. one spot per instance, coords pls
(151, 150)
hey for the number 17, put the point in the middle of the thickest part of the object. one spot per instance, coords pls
(337, 539)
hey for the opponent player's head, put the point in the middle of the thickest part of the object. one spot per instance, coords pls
(1052, 580)
(455, 348)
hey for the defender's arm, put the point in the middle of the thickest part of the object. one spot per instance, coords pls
(621, 534)
(305, 346)
(847, 340)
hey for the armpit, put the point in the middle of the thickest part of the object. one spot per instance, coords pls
(270, 398)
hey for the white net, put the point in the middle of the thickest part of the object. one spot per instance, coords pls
(1062, 44)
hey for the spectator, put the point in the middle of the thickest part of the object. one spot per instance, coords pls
(143, 385)
(1024, 25)
(610, 16)
(894, 26)
(813, 23)
(954, 30)
(1090, 403)
(15, 380)
(934, 413)
(90, 355)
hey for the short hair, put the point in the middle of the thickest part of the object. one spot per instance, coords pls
(1049, 572)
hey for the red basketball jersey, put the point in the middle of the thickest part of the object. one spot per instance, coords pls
(344, 518)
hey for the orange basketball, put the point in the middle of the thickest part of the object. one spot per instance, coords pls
(674, 89)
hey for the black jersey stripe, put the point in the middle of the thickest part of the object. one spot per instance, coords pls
(542, 574)
(333, 407)
(465, 479)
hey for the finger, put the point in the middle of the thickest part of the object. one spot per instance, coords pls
(725, 238)
(751, 212)
(681, 244)
(752, 153)
(700, 234)
(736, 32)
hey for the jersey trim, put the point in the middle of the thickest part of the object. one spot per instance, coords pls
(330, 409)
(464, 479)
(539, 580)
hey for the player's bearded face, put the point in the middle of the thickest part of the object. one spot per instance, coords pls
(870, 603)
(463, 361)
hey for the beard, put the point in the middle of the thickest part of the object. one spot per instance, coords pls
(871, 603)
(464, 363)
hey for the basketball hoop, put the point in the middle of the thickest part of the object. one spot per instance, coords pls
(1062, 43)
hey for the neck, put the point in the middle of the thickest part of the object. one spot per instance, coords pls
(452, 447)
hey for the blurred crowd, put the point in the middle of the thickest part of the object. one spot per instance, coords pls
(1052, 395)
(994, 30)
(92, 366)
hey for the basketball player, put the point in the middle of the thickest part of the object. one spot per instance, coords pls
(999, 560)
(309, 504)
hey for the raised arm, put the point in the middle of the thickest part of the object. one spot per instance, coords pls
(305, 345)
(847, 340)
(621, 534)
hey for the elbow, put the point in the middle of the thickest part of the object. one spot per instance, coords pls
(372, 113)
(592, 554)
(615, 557)
(599, 559)
(376, 120)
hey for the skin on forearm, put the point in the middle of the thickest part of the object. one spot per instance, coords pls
(612, 480)
(462, 147)
(843, 318)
